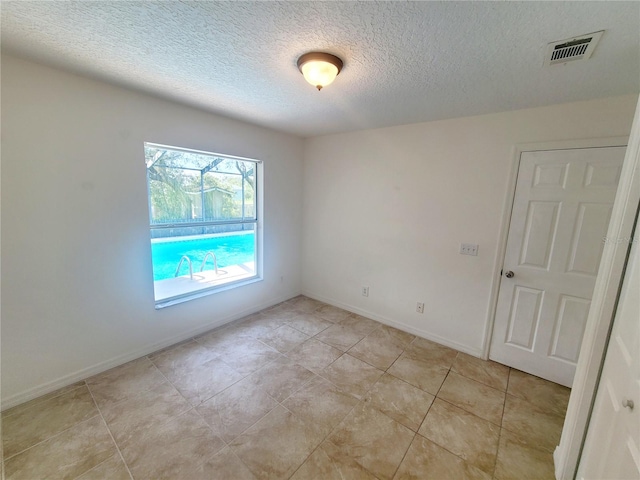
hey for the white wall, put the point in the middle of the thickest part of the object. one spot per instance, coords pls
(76, 259)
(388, 208)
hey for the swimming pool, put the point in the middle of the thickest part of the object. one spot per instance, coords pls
(230, 249)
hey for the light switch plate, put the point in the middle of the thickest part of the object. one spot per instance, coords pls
(469, 249)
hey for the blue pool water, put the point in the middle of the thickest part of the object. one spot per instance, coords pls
(229, 250)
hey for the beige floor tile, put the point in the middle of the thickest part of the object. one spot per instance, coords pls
(314, 355)
(281, 378)
(340, 336)
(305, 304)
(261, 323)
(372, 439)
(230, 339)
(320, 403)
(376, 350)
(309, 324)
(238, 335)
(331, 313)
(171, 450)
(519, 461)
(250, 356)
(399, 400)
(546, 395)
(67, 455)
(359, 324)
(395, 336)
(282, 312)
(155, 406)
(184, 355)
(277, 445)
(235, 409)
(352, 375)
(423, 374)
(284, 338)
(542, 428)
(198, 383)
(426, 460)
(254, 329)
(35, 401)
(431, 352)
(42, 420)
(490, 373)
(121, 382)
(224, 465)
(328, 462)
(111, 469)
(474, 397)
(243, 346)
(472, 438)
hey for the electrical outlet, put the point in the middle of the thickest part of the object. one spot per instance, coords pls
(469, 249)
(365, 291)
(420, 307)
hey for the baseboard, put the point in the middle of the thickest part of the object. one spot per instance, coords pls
(85, 373)
(476, 352)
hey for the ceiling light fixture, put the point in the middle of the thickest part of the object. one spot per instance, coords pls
(319, 69)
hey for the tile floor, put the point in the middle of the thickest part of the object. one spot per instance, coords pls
(302, 390)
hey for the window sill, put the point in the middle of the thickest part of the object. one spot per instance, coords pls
(182, 289)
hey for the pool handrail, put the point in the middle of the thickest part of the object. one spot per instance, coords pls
(184, 257)
(215, 261)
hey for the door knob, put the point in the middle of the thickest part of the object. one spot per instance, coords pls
(508, 274)
(628, 404)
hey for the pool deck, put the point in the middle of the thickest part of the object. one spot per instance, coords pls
(182, 285)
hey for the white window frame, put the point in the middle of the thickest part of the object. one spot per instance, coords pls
(257, 221)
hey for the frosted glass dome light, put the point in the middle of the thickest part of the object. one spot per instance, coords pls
(319, 69)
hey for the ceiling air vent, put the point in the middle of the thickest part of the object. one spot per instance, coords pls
(571, 49)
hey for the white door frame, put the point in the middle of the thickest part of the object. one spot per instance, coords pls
(506, 214)
(605, 294)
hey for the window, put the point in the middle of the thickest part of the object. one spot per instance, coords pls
(204, 218)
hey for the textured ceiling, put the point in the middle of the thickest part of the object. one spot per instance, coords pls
(405, 62)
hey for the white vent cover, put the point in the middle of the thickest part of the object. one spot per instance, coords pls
(571, 49)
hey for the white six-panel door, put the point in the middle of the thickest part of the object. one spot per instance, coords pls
(560, 216)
